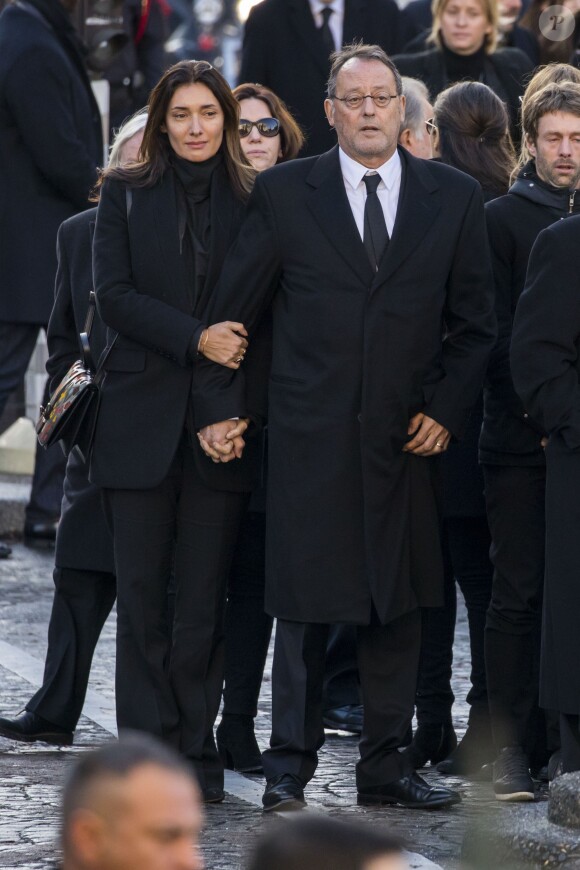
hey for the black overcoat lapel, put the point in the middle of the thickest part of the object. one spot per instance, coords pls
(302, 23)
(164, 205)
(331, 209)
(225, 214)
(417, 210)
(354, 21)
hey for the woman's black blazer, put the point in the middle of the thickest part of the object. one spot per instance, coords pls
(143, 294)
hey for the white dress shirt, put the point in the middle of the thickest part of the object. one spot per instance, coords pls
(336, 20)
(387, 191)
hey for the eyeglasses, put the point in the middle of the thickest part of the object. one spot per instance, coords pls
(431, 127)
(355, 101)
(267, 127)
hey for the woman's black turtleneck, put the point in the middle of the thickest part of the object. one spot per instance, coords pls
(463, 67)
(193, 188)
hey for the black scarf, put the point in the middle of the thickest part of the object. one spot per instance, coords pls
(463, 67)
(61, 24)
(193, 189)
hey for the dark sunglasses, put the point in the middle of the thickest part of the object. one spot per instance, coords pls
(267, 127)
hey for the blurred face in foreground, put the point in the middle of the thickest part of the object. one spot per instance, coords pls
(147, 820)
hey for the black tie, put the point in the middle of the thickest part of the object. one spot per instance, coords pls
(376, 236)
(326, 32)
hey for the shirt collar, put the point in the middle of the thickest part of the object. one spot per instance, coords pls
(353, 172)
(317, 6)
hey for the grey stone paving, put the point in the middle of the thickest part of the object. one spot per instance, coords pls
(30, 776)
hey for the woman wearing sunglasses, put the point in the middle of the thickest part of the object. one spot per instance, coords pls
(268, 135)
(164, 226)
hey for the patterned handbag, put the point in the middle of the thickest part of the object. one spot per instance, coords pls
(71, 413)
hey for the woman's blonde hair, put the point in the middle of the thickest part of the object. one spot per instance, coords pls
(489, 9)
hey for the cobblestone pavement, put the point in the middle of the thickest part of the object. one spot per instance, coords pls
(30, 776)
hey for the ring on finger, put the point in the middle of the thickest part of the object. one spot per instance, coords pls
(438, 444)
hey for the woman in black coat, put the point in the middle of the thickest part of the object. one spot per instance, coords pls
(545, 362)
(464, 36)
(470, 133)
(163, 229)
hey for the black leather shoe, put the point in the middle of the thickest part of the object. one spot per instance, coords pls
(28, 727)
(348, 718)
(283, 793)
(410, 791)
(237, 745)
(431, 743)
(40, 534)
(5, 550)
(213, 795)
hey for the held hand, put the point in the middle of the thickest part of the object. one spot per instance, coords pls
(235, 436)
(223, 441)
(224, 343)
(429, 437)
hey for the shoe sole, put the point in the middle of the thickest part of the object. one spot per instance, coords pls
(52, 739)
(289, 805)
(372, 800)
(516, 796)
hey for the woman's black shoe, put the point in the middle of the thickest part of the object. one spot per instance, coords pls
(237, 745)
(431, 743)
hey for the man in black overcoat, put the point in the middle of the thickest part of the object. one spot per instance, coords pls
(510, 447)
(50, 147)
(545, 357)
(382, 325)
(287, 45)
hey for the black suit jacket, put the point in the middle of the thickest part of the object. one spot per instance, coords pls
(352, 519)
(50, 147)
(283, 50)
(143, 294)
(83, 540)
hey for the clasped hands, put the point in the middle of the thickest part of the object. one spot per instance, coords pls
(223, 441)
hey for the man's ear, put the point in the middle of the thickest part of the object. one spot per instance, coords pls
(329, 110)
(86, 835)
(405, 138)
(531, 146)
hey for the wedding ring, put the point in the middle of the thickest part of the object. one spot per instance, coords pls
(438, 444)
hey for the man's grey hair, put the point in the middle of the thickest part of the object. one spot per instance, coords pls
(359, 51)
(126, 131)
(415, 95)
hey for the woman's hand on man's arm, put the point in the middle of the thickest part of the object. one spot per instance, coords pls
(224, 343)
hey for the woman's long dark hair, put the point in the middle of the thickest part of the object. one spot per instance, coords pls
(473, 124)
(156, 149)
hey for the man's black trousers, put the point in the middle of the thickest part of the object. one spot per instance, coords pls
(388, 657)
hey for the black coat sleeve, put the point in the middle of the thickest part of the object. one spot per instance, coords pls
(246, 287)
(62, 336)
(546, 336)
(136, 315)
(469, 320)
(38, 95)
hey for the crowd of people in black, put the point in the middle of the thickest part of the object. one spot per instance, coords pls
(324, 400)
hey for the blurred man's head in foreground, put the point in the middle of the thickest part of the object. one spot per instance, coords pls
(131, 804)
